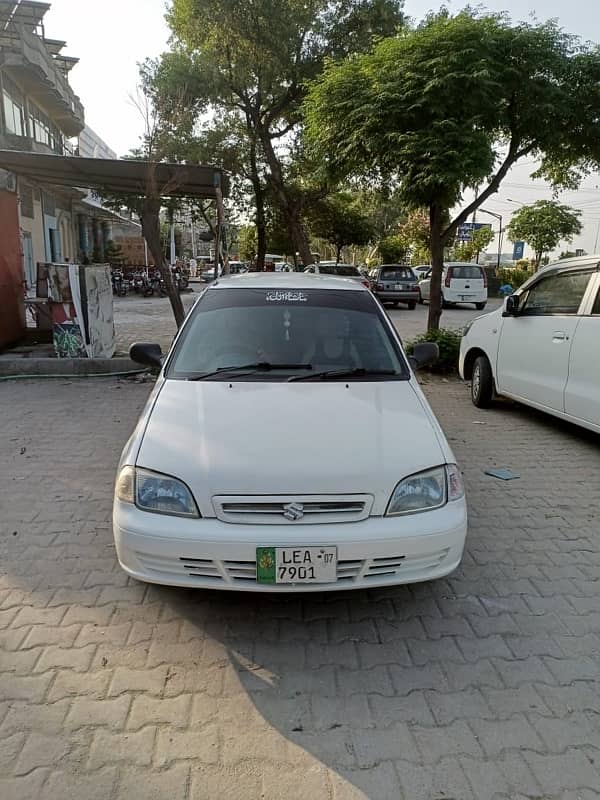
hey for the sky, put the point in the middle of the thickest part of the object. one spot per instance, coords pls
(112, 36)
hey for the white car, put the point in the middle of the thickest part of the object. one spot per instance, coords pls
(247, 469)
(461, 283)
(340, 270)
(541, 348)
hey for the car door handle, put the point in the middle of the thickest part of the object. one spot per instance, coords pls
(559, 336)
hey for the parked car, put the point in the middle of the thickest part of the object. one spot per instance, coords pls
(461, 283)
(247, 469)
(541, 348)
(421, 270)
(394, 283)
(341, 270)
(237, 267)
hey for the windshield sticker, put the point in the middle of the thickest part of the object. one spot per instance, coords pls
(278, 296)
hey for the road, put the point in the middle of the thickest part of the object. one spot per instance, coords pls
(481, 686)
(412, 323)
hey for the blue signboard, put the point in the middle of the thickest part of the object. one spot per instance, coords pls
(518, 250)
(464, 232)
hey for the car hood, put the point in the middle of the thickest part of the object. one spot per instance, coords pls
(266, 438)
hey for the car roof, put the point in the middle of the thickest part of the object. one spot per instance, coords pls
(285, 280)
(403, 266)
(462, 264)
(570, 263)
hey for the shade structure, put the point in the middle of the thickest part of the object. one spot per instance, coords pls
(117, 175)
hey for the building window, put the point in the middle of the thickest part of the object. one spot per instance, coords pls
(42, 130)
(13, 108)
(26, 198)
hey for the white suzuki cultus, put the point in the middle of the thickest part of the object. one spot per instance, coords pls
(287, 447)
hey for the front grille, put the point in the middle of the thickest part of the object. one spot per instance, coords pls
(307, 509)
(244, 572)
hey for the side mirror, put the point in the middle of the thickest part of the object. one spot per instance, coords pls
(424, 354)
(511, 309)
(145, 353)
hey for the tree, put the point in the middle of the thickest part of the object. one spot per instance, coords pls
(415, 235)
(339, 220)
(468, 251)
(543, 225)
(393, 249)
(247, 242)
(253, 58)
(454, 104)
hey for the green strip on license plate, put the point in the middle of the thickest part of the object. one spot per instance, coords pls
(266, 564)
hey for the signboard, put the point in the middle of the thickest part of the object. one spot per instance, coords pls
(464, 232)
(518, 250)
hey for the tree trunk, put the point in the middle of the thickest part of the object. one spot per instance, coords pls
(259, 200)
(538, 260)
(437, 266)
(261, 236)
(338, 253)
(151, 230)
(292, 211)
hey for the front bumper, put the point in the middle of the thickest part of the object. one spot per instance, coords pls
(208, 553)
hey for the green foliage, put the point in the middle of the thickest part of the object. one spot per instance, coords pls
(247, 242)
(543, 225)
(453, 104)
(468, 251)
(515, 277)
(414, 232)
(340, 221)
(393, 250)
(448, 341)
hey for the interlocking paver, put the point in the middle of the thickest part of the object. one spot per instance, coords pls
(484, 683)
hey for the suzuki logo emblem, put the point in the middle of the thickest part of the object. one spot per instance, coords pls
(293, 511)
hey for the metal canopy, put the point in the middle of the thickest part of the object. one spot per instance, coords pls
(116, 175)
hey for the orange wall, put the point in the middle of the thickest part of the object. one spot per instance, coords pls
(12, 308)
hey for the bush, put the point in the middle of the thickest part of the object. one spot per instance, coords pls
(448, 341)
(516, 277)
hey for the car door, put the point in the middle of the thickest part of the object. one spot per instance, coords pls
(582, 393)
(534, 347)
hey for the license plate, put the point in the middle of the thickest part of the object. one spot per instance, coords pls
(399, 287)
(296, 564)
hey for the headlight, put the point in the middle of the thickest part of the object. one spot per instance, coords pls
(426, 490)
(152, 491)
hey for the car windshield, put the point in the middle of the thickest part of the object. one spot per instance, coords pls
(347, 271)
(397, 274)
(274, 333)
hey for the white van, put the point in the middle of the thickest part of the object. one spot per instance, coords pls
(462, 282)
(541, 348)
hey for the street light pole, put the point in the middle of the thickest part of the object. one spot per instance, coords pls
(500, 232)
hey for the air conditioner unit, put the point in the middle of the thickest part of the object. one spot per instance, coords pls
(8, 181)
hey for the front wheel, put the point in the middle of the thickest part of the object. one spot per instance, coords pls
(480, 306)
(412, 305)
(482, 383)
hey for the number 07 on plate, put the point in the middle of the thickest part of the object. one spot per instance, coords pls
(296, 564)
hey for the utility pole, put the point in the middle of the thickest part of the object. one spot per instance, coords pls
(500, 232)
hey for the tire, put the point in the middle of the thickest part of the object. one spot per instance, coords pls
(411, 305)
(421, 301)
(482, 383)
(480, 306)
(444, 303)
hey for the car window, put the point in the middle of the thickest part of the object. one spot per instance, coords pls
(396, 274)
(561, 293)
(347, 271)
(326, 269)
(596, 308)
(327, 329)
(467, 273)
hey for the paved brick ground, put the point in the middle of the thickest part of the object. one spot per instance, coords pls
(483, 685)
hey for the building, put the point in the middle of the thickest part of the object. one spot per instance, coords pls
(39, 113)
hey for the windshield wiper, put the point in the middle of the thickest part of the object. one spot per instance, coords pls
(358, 372)
(258, 366)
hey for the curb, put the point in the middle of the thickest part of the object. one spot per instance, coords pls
(67, 366)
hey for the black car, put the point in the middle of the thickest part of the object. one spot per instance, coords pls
(395, 283)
